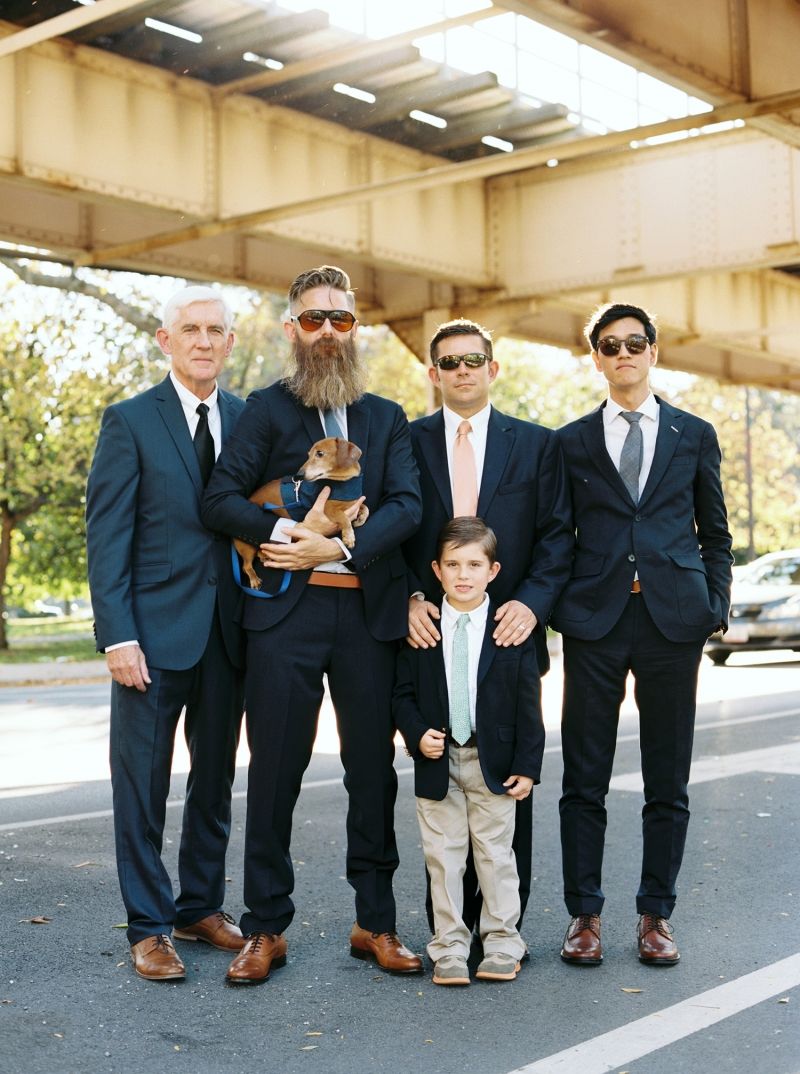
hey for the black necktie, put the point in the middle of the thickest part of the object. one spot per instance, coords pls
(204, 444)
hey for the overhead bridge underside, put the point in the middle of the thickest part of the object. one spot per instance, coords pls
(111, 162)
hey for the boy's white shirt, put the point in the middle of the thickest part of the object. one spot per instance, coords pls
(476, 629)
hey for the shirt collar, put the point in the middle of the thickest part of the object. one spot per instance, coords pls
(189, 399)
(477, 616)
(479, 421)
(649, 408)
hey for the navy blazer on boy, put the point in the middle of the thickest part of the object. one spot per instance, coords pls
(508, 715)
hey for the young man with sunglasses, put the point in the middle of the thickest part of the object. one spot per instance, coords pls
(650, 582)
(341, 616)
(518, 488)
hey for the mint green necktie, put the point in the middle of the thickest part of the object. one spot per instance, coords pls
(460, 726)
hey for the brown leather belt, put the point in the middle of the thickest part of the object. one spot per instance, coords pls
(334, 580)
(636, 586)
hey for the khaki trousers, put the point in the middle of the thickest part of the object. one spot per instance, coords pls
(471, 812)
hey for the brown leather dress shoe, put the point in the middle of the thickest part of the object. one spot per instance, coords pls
(217, 929)
(155, 959)
(261, 952)
(582, 946)
(657, 945)
(384, 948)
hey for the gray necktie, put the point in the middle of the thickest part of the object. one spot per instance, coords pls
(332, 426)
(630, 462)
(460, 726)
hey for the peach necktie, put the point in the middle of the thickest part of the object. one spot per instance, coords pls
(465, 479)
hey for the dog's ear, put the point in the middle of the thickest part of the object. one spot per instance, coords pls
(347, 454)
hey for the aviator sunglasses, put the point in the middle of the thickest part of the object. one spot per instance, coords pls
(453, 361)
(609, 347)
(311, 320)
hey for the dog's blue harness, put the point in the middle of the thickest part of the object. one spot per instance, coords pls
(297, 497)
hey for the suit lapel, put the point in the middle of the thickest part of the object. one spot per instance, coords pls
(227, 415)
(670, 430)
(499, 442)
(430, 438)
(488, 648)
(171, 412)
(594, 441)
(358, 419)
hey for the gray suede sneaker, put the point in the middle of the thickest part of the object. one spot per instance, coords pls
(498, 967)
(451, 970)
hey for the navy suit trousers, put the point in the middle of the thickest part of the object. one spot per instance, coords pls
(143, 729)
(595, 674)
(325, 633)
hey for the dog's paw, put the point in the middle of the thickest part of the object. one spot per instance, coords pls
(362, 516)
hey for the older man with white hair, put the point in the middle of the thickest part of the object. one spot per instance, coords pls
(164, 600)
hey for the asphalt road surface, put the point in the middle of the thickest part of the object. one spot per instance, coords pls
(71, 1004)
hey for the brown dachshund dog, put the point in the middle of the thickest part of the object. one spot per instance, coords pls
(329, 460)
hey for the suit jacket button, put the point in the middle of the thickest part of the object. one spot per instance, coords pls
(212, 580)
(638, 518)
(631, 557)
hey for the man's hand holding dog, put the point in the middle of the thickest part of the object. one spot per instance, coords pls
(311, 543)
(128, 667)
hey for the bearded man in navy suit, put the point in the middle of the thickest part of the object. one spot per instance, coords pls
(341, 616)
(521, 493)
(164, 604)
(650, 582)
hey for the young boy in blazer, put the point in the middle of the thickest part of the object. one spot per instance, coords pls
(470, 713)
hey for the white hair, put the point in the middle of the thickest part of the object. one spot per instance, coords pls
(199, 293)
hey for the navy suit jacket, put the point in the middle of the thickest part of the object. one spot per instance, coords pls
(508, 714)
(273, 438)
(676, 537)
(523, 497)
(155, 572)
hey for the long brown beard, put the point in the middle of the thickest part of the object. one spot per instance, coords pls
(327, 373)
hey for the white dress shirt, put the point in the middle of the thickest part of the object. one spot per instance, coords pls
(480, 428)
(190, 402)
(476, 628)
(616, 428)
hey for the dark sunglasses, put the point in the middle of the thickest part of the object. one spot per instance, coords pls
(311, 320)
(453, 361)
(609, 347)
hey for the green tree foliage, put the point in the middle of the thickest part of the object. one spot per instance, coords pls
(53, 389)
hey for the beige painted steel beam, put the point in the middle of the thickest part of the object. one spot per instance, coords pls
(64, 24)
(444, 175)
(336, 57)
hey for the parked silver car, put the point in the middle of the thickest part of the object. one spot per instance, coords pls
(765, 608)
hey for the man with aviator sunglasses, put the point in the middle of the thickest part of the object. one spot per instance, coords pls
(341, 616)
(520, 492)
(651, 579)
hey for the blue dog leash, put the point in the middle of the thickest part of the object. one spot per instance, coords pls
(287, 575)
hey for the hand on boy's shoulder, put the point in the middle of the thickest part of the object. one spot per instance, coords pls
(515, 623)
(422, 632)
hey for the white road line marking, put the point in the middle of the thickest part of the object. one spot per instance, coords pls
(784, 759)
(173, 802)
(630, 1042)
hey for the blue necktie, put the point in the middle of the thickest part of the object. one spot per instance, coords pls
(460, 726)
(332, 426)
(630, 462)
